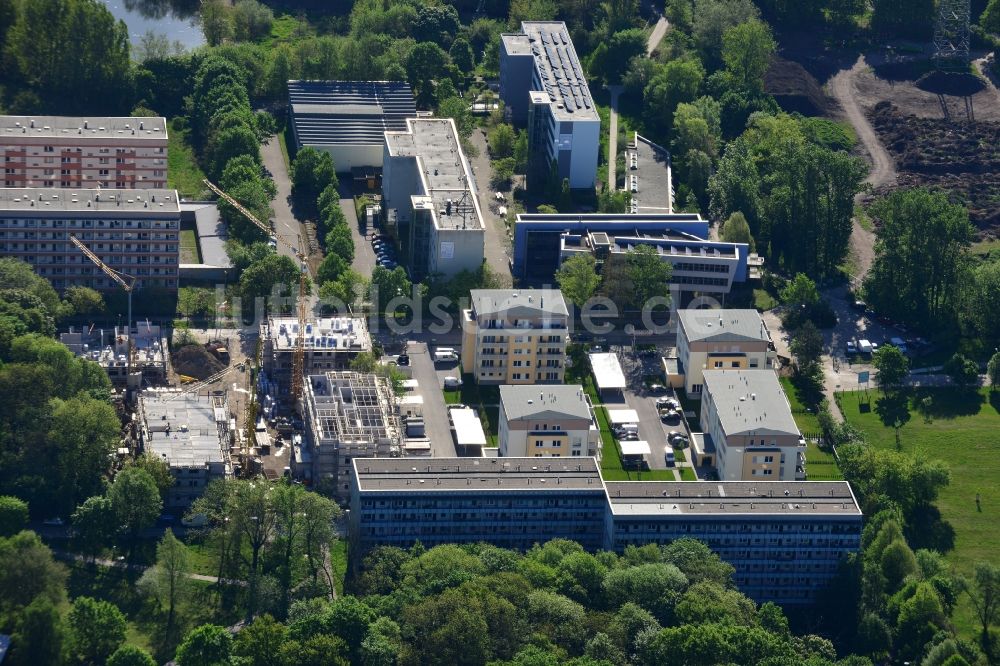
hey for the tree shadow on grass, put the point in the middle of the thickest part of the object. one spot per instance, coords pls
(995, 400)
(949, 403)
(927, 529)
(893, 409)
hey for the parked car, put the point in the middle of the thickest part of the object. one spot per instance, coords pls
(445, 355)
(865, 347)
(670, 416)
(657, 388)
(851, 347)
(674, 438)
(670, 458)
(403, 359)
(456, 405)
(630, 437)
(859, 305)
(667, 403)
(452, 382)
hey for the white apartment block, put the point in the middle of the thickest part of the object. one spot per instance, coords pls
(543, 85)
(515, 336)
(69, 152)
(135, 232)
(429, 193)
(721, 339)
(750, 423)
(547, 422)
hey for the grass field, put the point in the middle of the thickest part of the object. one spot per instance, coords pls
(189, 247)
(960, 429)
(183, 172)
(338, 562)
(821, 465)
(805, 420)
(763, 300)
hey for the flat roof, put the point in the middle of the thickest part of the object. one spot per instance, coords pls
(212, 232)
(634, 448)
(558, 67)
(468, 427)
(46, 199)
(723, 325)
(551, 401)
(605, 220)
(653, 177)
(620, 416)
(326, 333)
(475, 474)
(749, 498)
(487, 302)
(351, 407)
(85, 128)
(445, 174)
(607, 370)
(750, 402)
(184, 429)
(349, 112)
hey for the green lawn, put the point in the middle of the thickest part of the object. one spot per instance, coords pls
(821, 465)
(183, 172)
(189, 247)
(763, 300)
(805, 420)
(960, 429)
(338, 562)
(687, 474)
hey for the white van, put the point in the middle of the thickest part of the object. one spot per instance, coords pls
(865, 347)
(445, 355)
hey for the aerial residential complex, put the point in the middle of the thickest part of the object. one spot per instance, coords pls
(430, 195)
(515, 336)
(547, 421)
(785, 540)
(543, 241)
(347, 415)
(69, 152)
(348, 119)
(331, 343)
(132, 231)
(191, 434)
(750, 423)
(543, 86)
(720, 339)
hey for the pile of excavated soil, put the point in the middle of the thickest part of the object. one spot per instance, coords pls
(958, 157)
(195, 361)
(795, 89)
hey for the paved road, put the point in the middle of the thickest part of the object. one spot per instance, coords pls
(497, 243)
(656, 36)
(435, 411)
(613, 138)
(364, 255)
(287, 227)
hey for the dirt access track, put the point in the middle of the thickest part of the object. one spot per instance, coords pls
(925, 129)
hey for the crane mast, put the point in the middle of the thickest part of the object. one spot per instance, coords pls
(125, 281)
(298, 357)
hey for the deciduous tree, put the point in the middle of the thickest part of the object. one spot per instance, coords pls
(96, 629)
(578, 279)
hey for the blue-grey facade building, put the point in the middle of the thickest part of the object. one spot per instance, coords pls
(543, 241)
(784, 539)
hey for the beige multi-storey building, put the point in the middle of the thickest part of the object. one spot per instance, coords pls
(515, 336)
(132, 231)
(547, 422)
(69, 152)
(746, 417)
(331, 343)
(721, 339)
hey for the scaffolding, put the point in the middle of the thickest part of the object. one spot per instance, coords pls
(951, 35)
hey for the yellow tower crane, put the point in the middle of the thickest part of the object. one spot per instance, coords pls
(125, 281)
(300, 341)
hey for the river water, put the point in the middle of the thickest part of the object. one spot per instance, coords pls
(173, 18)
